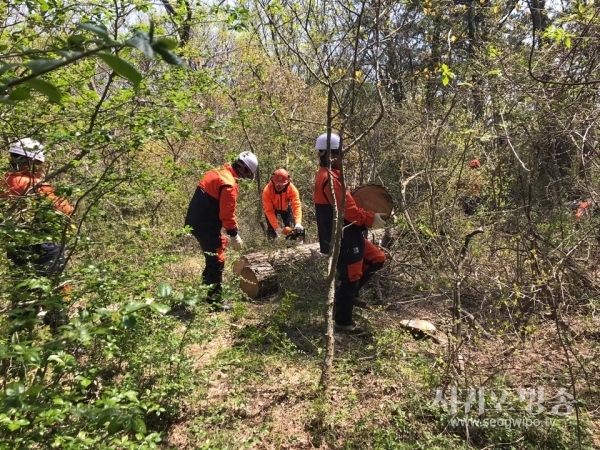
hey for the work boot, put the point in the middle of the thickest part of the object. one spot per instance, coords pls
(220, 306)
(356, 301)
(353, 328)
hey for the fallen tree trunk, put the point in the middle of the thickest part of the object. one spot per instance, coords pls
(258, 271)
(259, 280)
(276, 257)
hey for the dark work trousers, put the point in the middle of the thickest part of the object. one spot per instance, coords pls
(367, 275)
(213, 247)
(47, 260)
(470, 204)
(349, 256)
(288, 221)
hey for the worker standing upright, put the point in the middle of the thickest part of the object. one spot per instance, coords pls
(359, 258)
(212, 208)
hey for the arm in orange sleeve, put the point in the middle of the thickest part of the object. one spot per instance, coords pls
(268, 207)
(296, 204)
(227, 203)
(59, 203)
(352, 212)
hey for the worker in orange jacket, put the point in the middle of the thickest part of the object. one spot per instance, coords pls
(23, 183)
(213, 207)
(359, 258)
(470, 187)
(582, 209)
(281, 198)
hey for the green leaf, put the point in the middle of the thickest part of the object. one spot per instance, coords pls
(57, 359)
(48, 89)
(85, 382)
(6, 67)
(142, 43)
(34, 390)
(134, 306)
(160, 307)
(122, 67)
(98, 30)
(129, 321)
(169, 57)
(14, 389)
(114, 426)
(43, 65)
(164, 290)
(139, 426)
(104, 311)
(21, 93)
(14, 426)
(169, 44)
(76, 40)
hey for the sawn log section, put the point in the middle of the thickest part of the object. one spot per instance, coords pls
(258, 271)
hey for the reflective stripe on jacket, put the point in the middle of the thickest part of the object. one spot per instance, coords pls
(214, 202)
(274, 201)
(355, 218)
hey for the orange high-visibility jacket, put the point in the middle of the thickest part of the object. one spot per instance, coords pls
(274, 202)
(582, 209)
(19, 184)
(355, 218)
(214, 202)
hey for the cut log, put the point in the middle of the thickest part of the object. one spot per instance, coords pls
(276, 258)
(258, 271)
(258, 280)
(249, 260)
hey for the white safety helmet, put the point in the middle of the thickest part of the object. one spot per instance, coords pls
(250, 160)
(28, 147)
(334, 142)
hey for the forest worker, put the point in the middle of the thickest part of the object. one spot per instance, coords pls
(470, 188)
(281, 198)
(359, 258)
(582, 209)
(213, 207)
(22, 183)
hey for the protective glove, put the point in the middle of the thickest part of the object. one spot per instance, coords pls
(378, 222)
(279, 231)
(298, 228)
(236, 242)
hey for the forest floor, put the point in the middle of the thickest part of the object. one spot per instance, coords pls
(509, 385)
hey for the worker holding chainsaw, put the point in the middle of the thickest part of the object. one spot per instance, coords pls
(359, 258)
(281, 198)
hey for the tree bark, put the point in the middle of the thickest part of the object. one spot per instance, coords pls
(259, 280)
(258, 271)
